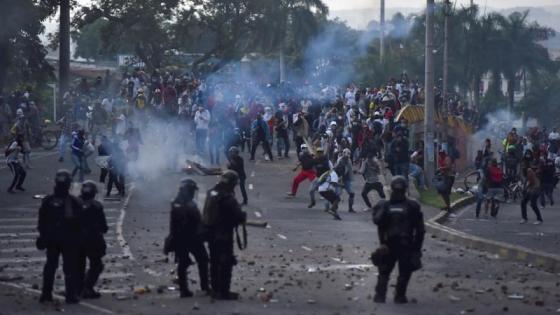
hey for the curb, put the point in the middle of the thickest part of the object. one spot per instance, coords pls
(545, 261)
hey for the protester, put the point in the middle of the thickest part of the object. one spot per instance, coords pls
(12, 160)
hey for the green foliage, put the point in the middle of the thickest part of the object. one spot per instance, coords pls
(89, 44)
(22, 56)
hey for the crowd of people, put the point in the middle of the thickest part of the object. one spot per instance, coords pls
(529, 162)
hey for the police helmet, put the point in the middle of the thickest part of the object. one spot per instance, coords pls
(229, 177)
(63, 177)
(234, 151)
(188, 184)
(399, 184)
(89, 189)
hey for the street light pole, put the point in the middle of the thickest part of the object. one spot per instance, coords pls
(445, 105)
(53, 86)
(382, 30)
(429, 94)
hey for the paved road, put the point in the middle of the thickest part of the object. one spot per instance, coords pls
(304, 263)
(506, 227)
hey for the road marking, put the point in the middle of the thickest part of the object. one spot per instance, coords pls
(32, 226)
(58, 297)
(152, 272)
(119, 227)
(339, 260)
(18, 240)
(18, 234)
(315, 268)
(28, 249)
(43, 258)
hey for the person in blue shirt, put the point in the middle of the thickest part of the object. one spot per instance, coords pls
(260, 133)
(78, 145)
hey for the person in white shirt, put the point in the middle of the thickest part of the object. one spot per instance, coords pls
(329, 189)
(12, 160)
(554, 135)
(201, 120)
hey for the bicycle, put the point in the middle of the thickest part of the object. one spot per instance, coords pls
(50, 133)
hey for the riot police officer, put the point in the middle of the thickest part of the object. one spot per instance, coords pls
(222, 214)
(185, 236)
(59, 233)
(94, 225)
(400, 227)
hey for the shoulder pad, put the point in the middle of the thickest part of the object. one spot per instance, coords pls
(413, 204)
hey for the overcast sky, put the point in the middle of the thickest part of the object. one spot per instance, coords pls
(355, 4)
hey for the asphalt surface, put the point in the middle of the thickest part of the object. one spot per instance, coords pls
(304, 263)
(506, 227)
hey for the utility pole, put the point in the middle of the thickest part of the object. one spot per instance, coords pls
(64, 50)
(445, 106)
(429, 154)
(382, 30)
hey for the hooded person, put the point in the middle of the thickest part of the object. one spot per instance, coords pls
(60, 232)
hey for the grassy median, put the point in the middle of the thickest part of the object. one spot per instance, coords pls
(431, 198)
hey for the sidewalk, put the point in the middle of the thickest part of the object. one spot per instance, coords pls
(506, 228)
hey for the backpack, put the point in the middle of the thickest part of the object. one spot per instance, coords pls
(496, 175)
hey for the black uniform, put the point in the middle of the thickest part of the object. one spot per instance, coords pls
(186, 231)
(236, 164)
(60, 233)
(222, 214)
(400, 227)
(94, 225)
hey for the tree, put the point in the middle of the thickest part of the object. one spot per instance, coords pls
(288, 26)
(143, 25)
(22, 56)
(89, 42)
(520, 50)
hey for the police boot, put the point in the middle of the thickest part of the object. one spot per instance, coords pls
(400, 290)
(184, 284)
(203, 275)
(351, 203)
(381, 288)
(45, 297)
(224, 290)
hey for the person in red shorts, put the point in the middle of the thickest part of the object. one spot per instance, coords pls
(307, 164)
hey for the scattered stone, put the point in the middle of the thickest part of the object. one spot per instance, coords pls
(311, 301)
(196, 307)
(516, 296)
(539, 303)
(348, 287)
(454, 298)
(123, 297)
